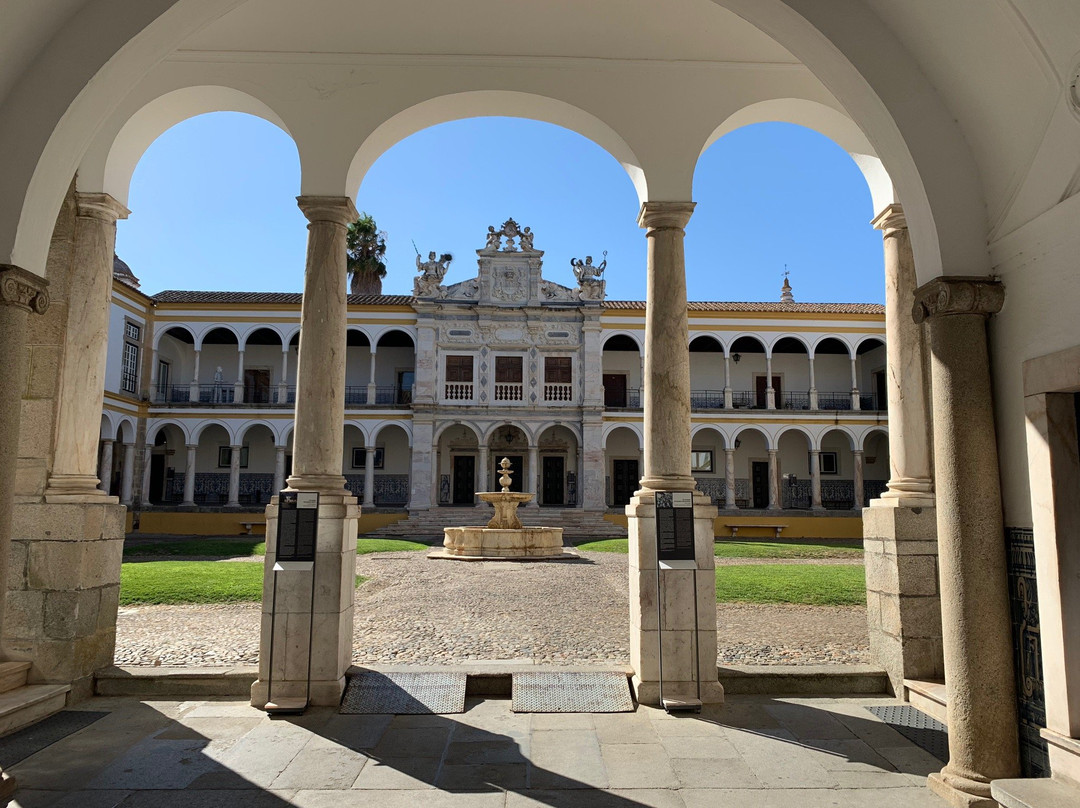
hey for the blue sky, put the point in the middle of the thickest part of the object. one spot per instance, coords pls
(213, 208)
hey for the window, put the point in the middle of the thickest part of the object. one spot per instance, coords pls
(162, 376)
(701, 460)
(508, 369)
(459, 368)
(359, 458)
(129, 369)
(827, 463)
(224, 457)
(132, 331)
(557, 370)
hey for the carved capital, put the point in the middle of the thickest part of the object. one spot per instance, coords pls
(958, 295)
(23, 289)
(665, 215)
(335, 209)
(891, 217)
(102, 207)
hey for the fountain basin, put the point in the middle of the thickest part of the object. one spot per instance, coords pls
(520, 542)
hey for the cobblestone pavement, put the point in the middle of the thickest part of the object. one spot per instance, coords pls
(416, 610)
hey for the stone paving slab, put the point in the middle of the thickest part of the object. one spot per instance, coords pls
(750, 753)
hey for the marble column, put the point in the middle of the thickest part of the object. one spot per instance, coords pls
(729, 480)
(73, 477)
(105, 467)
(21, 293)
(815, 480)
(482, 475)
(127, 480)
(371, 391)
(727, 382)
(234, 477)
(238, 385)
(283, 387)
(855, 403)
(189, 477)
(423, 489)
(144, 491)
(279, 469)
(977, 634)
(154, 396)
(813, 385)
(688, 627)
(857, 462)
(774, 481)
(533, 474)
(318, 444)
(770, 391)
(369, 477)
(193, 388)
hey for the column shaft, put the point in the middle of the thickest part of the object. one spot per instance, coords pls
(813, 385)
(729, 479)
(857, 455)
(283, 391)
(234, 476)
(279, 469)
(532, 474)
(976, 627)
(369, 477)
(193, 388)
(104, 473)
(774, 481)
(238, 385)
(855, 403)
(770, 391)
(482, 475)
(144, 493)
(815, 480)
(371, 388)
(127, 481)
(189, 477)
(727, 382)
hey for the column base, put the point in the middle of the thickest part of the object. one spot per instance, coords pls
(330, 485)
(666, 482)
(648, 693)
(961, 792)
(76, 488)
(325, 693)
(231, 506)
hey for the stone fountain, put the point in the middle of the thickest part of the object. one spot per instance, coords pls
(504, 537)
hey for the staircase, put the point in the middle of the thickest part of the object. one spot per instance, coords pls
(578, 525)
(22, 704)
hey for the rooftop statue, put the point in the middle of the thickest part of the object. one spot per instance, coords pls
(432, 273)
(590, 286)
(510, 231)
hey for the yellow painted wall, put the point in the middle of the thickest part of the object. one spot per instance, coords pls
(229, 524)
(798, 527)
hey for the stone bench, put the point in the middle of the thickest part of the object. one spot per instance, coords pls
(248, 525)
(736, 528)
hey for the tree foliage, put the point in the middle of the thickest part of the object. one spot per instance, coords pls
(365, 250)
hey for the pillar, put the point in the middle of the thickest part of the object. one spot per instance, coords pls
(371, 391)
(369, 477)
(770, 391)
(21, 293)
(900, 527)
(154, 393)
(105, 467)
(667, 468)
(318, 444)
(283, 387)
(189, 477)
(73, 477)
(423, 488)
(857, 461)
(815, 480)
(727, 382)
(774, 481)
(234, 477)
(144, 490)
(813, 385)
(977, 639)
(533, 474)
(238, 385)
(127, 480)
(193, 388)
(279, 469)
(482, 476)
(729, 480)
(855, 403)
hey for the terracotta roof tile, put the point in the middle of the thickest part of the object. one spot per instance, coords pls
(181, 296)
(807, 308)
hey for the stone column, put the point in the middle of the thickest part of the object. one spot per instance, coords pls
(283, 387)
(369, 477)
(105, 466)
(318, 444)
(238, 385)
(727, 382)
(774, 481)
(815, 480)
(371, 379)
(770, 391)
(154, 396)
(855, 403)
(21, 293)
(591, 484)
(144, 493)
(189, 478)
(127, 481)
(857, 457)
(193, 388)
(534, 470)
(667, 468)
(279, 469)
(73, 477)
(423, 491)
(482, 474)
(813, 385)
(234, 477)
(729, 480)
(977, 635)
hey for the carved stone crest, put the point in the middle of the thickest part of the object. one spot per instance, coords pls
(509, 284)
(513, 234)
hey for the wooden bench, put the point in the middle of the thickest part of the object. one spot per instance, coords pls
(248, 525)
(736, 528)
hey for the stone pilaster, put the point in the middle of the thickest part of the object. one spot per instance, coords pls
(421, 494)
(976, 631)
(73, 477)
(591, 486)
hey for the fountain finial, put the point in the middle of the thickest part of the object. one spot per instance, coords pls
(504, 479)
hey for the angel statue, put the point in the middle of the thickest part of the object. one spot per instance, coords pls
(526, 239)
(494, 239)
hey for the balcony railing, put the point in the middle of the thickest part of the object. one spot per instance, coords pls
(744, 400)
(558, 392)
(630, 400)
(706, 399)
(274, 396)
(834, 401)
(509, 391)
(458, 391)
(871, 402)
(794, 401)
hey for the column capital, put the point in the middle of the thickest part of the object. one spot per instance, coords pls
(665, 215)
(100, 206)
(891, 217)
(958, 294)
(335, 209)
(23, 289)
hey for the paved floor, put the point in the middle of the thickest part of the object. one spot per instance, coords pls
(754, 752)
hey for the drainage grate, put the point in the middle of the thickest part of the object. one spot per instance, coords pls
(406, 693)
(571, 692)
(917, 727)
(31, 740)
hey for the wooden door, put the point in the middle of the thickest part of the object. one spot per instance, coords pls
(759, 477)
(880, 391)
(464, 479)
(256, 386)
(624, 481)
(553, 493)
(156, 494)
(762, 400)
(614, 389)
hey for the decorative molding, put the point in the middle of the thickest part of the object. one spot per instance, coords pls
(947, 296)
(665, 215)
(891, 217)
(100, 206)
(23, 289)
(335, 209)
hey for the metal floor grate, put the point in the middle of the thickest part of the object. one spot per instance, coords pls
(407, 693)
(919, 728)
(571, 692)
(31, 740)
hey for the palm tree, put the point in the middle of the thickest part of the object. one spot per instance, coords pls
(365, 249)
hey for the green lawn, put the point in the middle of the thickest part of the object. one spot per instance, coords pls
(751, 549)
(228, 548)
(365, 546)
(813, 584)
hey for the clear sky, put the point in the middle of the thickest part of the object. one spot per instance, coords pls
(213, 208)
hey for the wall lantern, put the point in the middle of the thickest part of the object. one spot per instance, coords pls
(736, 357)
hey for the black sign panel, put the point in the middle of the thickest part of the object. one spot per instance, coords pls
(675, 526)
(298, 519)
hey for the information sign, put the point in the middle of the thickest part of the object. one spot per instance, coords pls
(298, 521)
(675, 526)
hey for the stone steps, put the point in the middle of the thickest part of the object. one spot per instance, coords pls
(13, 675)
(928, 696)
(30, 703)
(576, 524)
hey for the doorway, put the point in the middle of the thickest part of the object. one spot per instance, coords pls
(624, 481)
(553, 493)
(464, 489)
(759, 477)
(614, 389)
(256, 386)
(762, 396)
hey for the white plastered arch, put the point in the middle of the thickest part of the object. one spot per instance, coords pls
(635, 336)
(802, 340)
(198, 430)
(853, 439)
(546, 425)
(211, 327)
(761, 429)
(697, 429)
(404, 426)
(632, 427)
(789, 428)
(847, 344)
(469, 425)
(154, 427)
(161, 332)
(246, 426)
(262, 327)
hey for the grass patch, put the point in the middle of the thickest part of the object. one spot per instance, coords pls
(750, 549)
(606, 546)
(360, 579)
(816, 585)
(365, 546)
(225, 548)
(176, 582)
